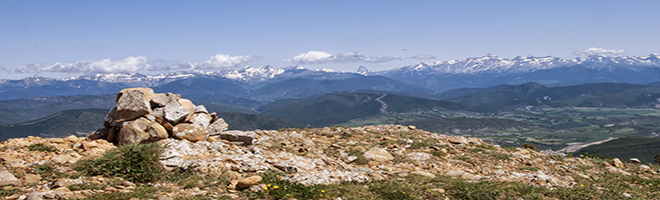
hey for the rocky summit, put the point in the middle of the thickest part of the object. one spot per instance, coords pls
(319, 163)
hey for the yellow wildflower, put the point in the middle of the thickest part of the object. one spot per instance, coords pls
(275, 187)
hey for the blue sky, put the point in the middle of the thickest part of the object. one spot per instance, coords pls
(162, 36)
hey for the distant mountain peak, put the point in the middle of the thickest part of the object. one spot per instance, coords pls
(493, 63)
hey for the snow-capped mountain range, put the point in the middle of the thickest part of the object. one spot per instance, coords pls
(485, 71)
(491, 63)
(486, 63)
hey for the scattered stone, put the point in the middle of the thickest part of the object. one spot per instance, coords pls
(617, 163)
(418, 156)
(7, 178)
(378, 154)
(625, 194)
(66, 182)
(645, 167)
(634, 161)
(246, 137)
(232, 185)
(31, 178)
(438, 190)
(249, 181)
(423, 173)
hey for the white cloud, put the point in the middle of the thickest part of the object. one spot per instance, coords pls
(130, 64)
(600, 51)
(422, 57)
(319, 57)
(224, 61)
(134, 64)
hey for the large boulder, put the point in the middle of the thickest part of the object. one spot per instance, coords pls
(189, 106)
(175, 112)
(160, 100)
(190, 132)
(218, 126)
(245, 137)
(133, 132)
(201, 119)
(133, 103)
(156, 131)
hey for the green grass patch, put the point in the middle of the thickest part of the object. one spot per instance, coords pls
(86, 186)
(137, 163)
(8, 192)
(41, 147)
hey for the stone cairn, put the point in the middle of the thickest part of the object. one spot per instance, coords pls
(142, 116)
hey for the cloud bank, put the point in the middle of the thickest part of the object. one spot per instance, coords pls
(600, 51)
(320, 57)
(134, 64)
(422, 57)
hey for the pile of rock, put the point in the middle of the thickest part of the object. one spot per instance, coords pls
(144, 116)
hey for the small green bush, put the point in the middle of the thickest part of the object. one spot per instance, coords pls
(41, 147)
(137, 163)
(8, 192)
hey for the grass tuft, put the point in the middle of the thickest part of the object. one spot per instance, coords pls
(137, 163)
(41, 147)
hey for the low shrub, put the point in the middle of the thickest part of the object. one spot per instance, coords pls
(41, 147)
(137, 163)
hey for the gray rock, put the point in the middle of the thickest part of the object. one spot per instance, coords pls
(133, 103)
(246, 137)
(7, 178)
(419, 156)
(218, 126)
(101, 133)
(634, 160)
(175, 113)
(201, 109)
(308, 143)
(160, 100)
(201, 120)
(66, 182)
(109, 120)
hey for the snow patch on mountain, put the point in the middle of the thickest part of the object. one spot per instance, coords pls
(494, 64)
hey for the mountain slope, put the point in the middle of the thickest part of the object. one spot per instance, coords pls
(248, 122)
(587, 95)
(307, 86)
(27, 109)
(336, 108)
(644, 149)
(61, 124)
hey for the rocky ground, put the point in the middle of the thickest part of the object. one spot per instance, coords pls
(324, 156)
(204, 161)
